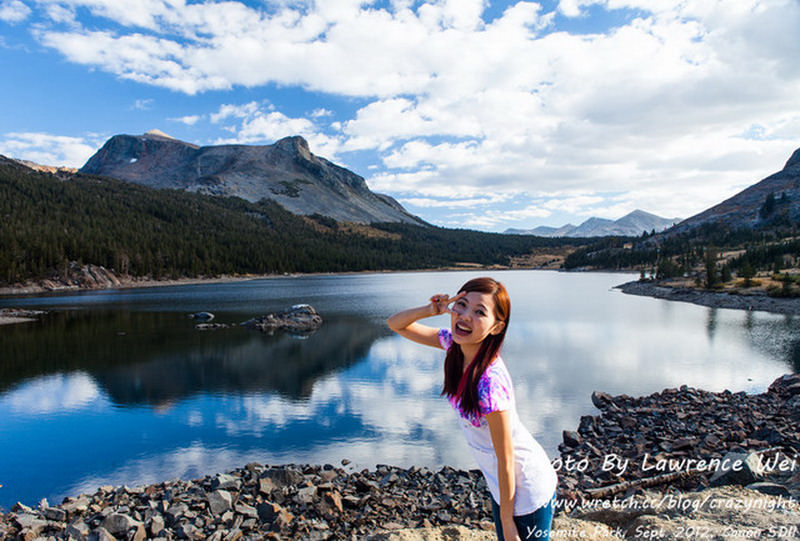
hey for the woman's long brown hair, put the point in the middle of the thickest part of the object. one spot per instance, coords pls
(490, 347)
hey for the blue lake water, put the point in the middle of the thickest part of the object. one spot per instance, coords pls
(117, 387)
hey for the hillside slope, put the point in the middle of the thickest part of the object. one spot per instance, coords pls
(750, 207)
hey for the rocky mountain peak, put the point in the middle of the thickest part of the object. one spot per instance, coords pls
(159, 133)
(286, 172)
(794, 160)
(294, 145)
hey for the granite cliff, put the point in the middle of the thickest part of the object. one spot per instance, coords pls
(286, 172)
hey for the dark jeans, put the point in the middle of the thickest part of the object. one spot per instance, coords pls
(533, 526)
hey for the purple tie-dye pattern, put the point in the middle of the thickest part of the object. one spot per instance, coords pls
(495, 392)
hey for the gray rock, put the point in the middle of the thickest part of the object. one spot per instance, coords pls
(188, 531)
(55, 513)
(246, 510)
(602, 400)
(234, 534)
(738, 469)
(76, 505)
(772, 489)
(571, 439)
(118, 523)
(78, 530)
(220, 501)
(139, 534)
(306, 495)
(269, 512)
(157, 525)
(202, 316)
(29, 521)
(20, 507)
(176, 512)
(283, 477)
(266, 486)
(786, 386)
(101, 534)
(225, 481)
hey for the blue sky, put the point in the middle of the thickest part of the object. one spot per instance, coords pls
(472, 113)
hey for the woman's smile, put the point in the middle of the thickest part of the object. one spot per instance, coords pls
(462, 329)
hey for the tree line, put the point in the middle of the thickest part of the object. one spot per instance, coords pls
(770, 245)
(47, 222)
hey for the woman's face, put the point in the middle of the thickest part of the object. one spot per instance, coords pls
(472, 318)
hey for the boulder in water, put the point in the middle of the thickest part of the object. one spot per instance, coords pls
(298, 319)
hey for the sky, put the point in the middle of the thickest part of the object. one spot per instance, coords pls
(476, 114)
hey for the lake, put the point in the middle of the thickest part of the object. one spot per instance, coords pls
(117, 387)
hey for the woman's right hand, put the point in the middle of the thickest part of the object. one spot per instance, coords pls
(440, 303)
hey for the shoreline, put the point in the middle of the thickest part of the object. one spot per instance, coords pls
(409, 504)
(44, 287)
(713, 299)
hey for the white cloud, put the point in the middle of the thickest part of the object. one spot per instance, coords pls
(572, 8)
(47, 149)
(143, 104)
(227, 111)
(13, 11)
(262, 124)
(189, 120)
(321, 112)
(61, 14)
(512, 105)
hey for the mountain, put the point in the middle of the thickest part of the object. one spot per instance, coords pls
(751, 208)
(543, 231)
(286, 172)
(630, 225)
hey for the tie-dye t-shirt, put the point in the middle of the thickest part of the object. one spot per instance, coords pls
(495, 391)
(535, 478)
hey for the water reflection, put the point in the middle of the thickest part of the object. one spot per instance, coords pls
(143, 358)
(711, 324)
(54, 394)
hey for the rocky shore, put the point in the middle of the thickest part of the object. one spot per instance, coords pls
(755, 300)
(632, 472)
(18, 315)
(89, 277)
(678, 438)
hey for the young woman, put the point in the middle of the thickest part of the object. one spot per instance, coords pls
(521, 480)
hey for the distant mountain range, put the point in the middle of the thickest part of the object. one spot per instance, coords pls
(286, 172)
(630, 225)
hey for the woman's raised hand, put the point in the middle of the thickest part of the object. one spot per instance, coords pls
(440, 303)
